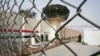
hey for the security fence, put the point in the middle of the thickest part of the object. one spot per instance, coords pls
(11, 43)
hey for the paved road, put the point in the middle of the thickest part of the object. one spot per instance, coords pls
(81, 50)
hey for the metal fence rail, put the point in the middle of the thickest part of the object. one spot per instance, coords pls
(11, 42)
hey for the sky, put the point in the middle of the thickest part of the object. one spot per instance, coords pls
(90, 10)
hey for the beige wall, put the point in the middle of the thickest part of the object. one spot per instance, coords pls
(11, 20)
(31, 24)
(70, 34)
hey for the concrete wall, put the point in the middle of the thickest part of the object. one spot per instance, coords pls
(70, 34)
(92, 36)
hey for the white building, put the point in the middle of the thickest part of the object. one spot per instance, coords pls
(42, 30)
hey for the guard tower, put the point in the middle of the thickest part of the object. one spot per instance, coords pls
(55, 14)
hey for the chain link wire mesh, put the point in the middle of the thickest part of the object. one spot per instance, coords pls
(11, 43)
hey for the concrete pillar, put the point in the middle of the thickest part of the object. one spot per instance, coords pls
(55, 24)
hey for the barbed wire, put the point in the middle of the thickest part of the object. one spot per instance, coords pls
(11, 43)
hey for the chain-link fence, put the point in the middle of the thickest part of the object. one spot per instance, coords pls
(11, 25)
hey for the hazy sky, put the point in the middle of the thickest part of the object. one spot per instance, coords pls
(90, 10)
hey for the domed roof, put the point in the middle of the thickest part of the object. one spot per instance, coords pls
(56, 10)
